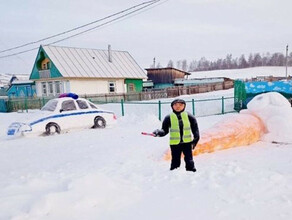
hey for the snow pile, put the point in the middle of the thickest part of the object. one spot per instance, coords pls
(275, 112)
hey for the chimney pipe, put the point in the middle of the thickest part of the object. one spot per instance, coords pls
(109, 53)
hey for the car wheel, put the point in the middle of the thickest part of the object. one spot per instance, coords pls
(52, 128)
(99, 122)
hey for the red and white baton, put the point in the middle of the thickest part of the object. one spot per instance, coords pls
(149, 134)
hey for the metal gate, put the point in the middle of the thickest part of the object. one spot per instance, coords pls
(3, 107)
(239, 95)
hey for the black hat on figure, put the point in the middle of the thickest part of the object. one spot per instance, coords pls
(178, 101)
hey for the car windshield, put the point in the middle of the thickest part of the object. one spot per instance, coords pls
(50, 106)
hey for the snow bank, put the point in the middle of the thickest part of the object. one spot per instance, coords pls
(276, 113)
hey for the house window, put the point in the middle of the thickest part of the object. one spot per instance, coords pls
(44, 88)
(112, 86)
(50, 88)
(45, 65)
(131, 87)
(58, 87)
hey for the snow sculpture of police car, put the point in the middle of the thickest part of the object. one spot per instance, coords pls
(65, 113)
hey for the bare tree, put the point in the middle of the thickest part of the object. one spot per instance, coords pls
(179, 64)
(193, 66)
(242, 63)
(184, 65)
(170, 63)
(158, 65)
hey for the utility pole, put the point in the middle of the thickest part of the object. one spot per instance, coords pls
(286, 61)
(154, 62)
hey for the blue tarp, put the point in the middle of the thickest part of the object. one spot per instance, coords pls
(261, 87)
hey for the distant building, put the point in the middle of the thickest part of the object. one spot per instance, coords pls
(19, 88)
(148, 85)
(204, 81)
(165, 77)
(85, 71)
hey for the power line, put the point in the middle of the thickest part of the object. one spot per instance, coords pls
(108, 22)
(21, 52)
(148, 3)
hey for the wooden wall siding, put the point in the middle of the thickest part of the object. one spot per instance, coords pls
(164, 75)
(160, 94)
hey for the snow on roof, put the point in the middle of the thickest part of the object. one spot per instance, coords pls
(246, 73)
(93, 63)
(18, 82)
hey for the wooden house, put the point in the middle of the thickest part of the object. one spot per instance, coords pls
(21, 88)
(85, 71)
(165, 77)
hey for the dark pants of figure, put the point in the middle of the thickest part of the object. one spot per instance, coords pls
(177, 150)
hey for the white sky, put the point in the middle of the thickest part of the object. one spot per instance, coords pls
(176, 29)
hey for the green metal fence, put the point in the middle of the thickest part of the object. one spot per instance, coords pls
(3, 107)
(25, 104)
(198, 107)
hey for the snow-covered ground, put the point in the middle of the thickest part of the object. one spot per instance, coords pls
(246, 73)
(117, 173)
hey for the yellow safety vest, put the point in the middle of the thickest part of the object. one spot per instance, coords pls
(174, 129)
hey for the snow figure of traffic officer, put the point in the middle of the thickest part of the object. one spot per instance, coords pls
(184, 134)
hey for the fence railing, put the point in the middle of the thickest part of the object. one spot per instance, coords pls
(26, 103)
(198, 107)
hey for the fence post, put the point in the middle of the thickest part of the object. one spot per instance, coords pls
(25, 104)
(8, 105)
(159, 110)
(193, 106)
(122, 105)
(222, 104)
(40, 103)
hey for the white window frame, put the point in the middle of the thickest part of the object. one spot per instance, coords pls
(132, 87)
(50, 88)
(112, 84)
(57, 85)
(44, 89)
